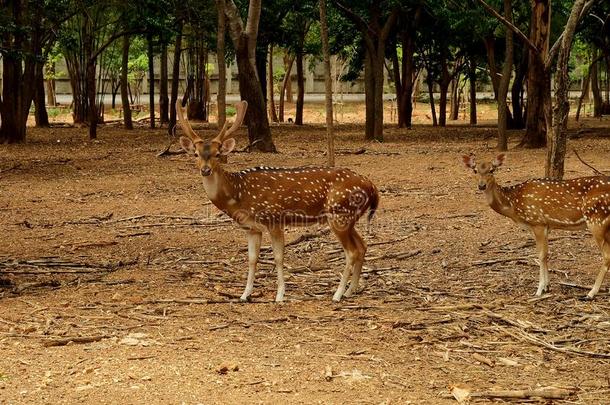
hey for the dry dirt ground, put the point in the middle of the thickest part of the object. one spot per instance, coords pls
(119, 282)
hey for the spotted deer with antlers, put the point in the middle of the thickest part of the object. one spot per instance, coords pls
(544, 204)
(269, 198)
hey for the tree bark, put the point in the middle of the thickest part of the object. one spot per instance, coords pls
(595, 79)
(454, 109)
(288, 66)
(221, 96)
(430, 84)
(583, 94)
(175, 79)
(163, 90)
(244, 41)
(557, 137)
(41, 116)
(328, 84)
(124, 84)
(369, 98)
(285, 86)
(517, 92)
(507, 68)
(538, 78)
(472, 78)
(151, 81)
(375, 34)
(298, 119)
(270, 89)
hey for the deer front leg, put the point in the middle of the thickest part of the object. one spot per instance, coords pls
(277, 243)
(254, 247)
(541, 233)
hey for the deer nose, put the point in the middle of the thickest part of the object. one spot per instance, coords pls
(482, 186)
(206, 171)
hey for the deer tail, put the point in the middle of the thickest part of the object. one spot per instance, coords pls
(374, 204)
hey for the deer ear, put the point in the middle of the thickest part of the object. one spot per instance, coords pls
(499, 160)
(468, 161)
(227, 146)
(187, 144)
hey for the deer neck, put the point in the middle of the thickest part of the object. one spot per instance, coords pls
(497, 200)
(218, 187)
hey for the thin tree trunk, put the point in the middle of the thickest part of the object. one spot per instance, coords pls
(151, 81)
(378, 68)
(328, 84)
(538, 79)
(432, 106)
(163, 90)
(298, 119)
(472, 77)
(507, 68)
(51, 95)
(454, 109)
(41, 116)
(517, 92)
(595, 88)
(369, 98)
(175, 80)
(557, 139)
(124, 84)
(270, 89)
(290, 62)
(221, 96)
(285, 86)
(583, 94)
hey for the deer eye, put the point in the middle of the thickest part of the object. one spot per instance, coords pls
(475, 171)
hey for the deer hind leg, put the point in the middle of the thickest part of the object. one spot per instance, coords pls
(343, 233)
(602, 237)
(358, 262)
(541, 233)
(254, 247)
(277, 243)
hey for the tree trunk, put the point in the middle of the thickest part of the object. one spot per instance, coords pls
(378, 66)
(517, 92)
(124, 84)
(431, 96)
(454, 109)
(583, 94)
(51, 95)
(328, 84)
(595, 79)
(91, 93)
(507, 68)
(538, 79)
(285, 86)
(16, 96)
(244, 41)
(288, 66)
(259, 133)
(151, 81)
(557, 138)
(298, 120)
(369, 98)
(41, 116)
(270, 89)
(163, 91)
(175, 80)
(221, 96)
(405, 96)
(472, 78)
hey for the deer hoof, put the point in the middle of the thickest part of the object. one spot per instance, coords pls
(244, 298)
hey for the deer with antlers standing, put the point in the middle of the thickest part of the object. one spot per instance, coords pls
(268, 199)
(544, 204)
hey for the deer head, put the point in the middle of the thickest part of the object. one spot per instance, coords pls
(209, 155)
(484, 170)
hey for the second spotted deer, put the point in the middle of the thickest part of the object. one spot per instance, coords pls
(268, 199)
(543, 204)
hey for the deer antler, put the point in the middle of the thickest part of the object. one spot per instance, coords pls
(241, 107)
(184, 124)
